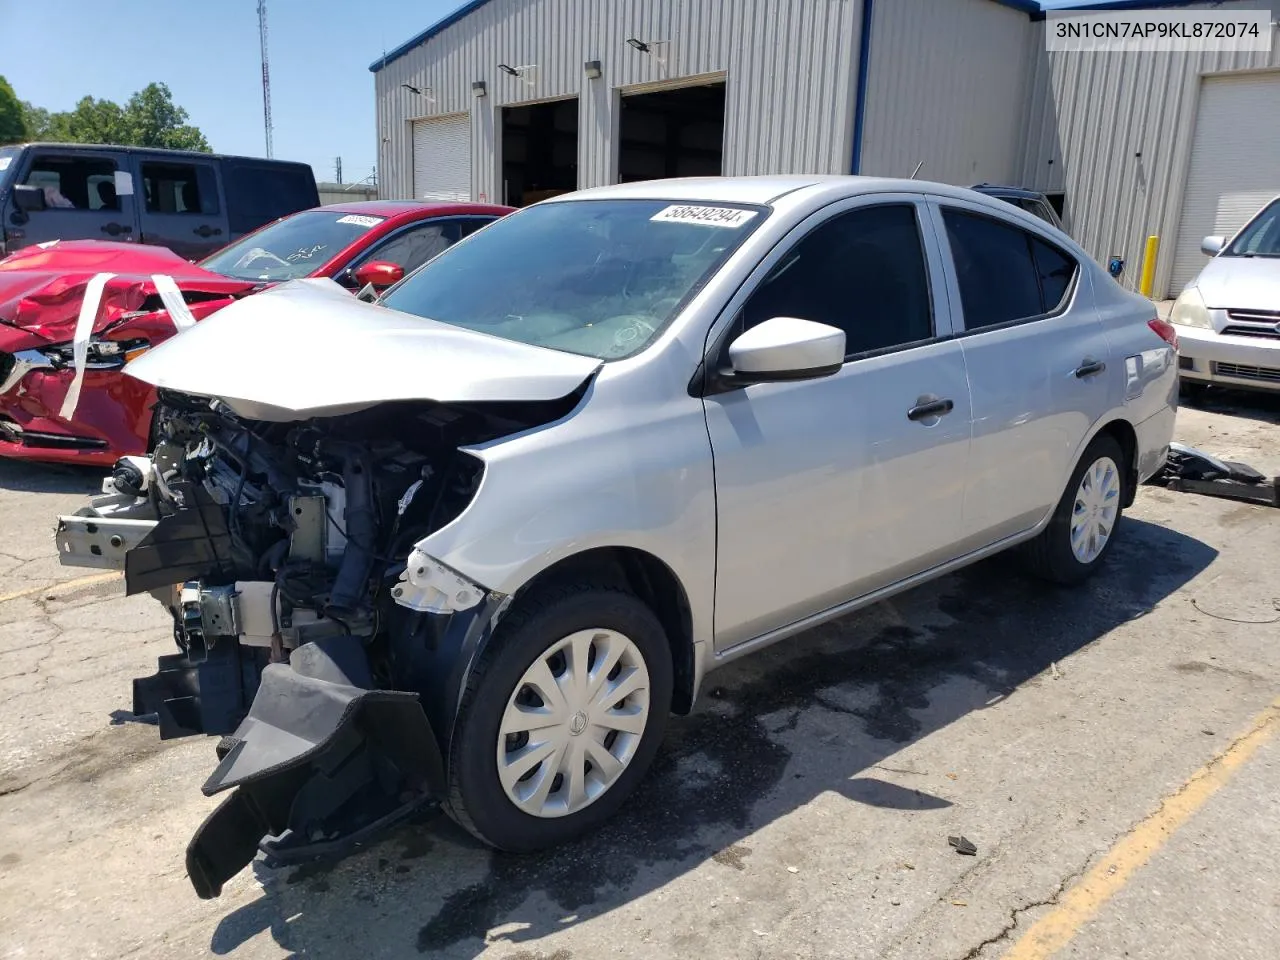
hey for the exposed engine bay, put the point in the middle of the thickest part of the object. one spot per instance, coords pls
(312, 633)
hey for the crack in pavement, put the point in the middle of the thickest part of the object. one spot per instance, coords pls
(1016, 913)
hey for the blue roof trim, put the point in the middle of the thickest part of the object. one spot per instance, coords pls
(427, 34)
(1032, 8)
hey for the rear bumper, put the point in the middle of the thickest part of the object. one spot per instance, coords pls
(1205, 356)
(1154, 435)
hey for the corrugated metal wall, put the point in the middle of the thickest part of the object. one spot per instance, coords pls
(1113, 132)
(946, 86)
(790, 65)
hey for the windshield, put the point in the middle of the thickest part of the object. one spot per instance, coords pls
(291, 248)
(1261, 238)
(599, 278)
(8, 163)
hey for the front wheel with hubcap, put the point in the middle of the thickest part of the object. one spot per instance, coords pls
(1083, 525)
(561, 716)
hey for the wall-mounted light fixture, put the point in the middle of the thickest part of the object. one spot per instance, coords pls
(592, 69)
(509, 71)
(638, 44)
(411, 88)
(477, 88)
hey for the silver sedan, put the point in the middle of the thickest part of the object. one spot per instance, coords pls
(472, 544)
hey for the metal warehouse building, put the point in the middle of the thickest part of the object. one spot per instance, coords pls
(516, 100)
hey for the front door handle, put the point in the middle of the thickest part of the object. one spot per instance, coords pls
(934, 408)
(115, 229)
(206, 231)
(1088, 368)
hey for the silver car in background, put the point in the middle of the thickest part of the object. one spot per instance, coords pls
(477, 541)
(1228, 318)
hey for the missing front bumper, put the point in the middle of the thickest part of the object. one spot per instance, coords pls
(319, 763)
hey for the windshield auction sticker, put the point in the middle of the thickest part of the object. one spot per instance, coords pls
(4, 163)
(705, 216)
(361, 221)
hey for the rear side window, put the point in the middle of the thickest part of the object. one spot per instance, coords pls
(862, 271)
(258, 193)
(180, 188)
(1005, 274)
(75, 183)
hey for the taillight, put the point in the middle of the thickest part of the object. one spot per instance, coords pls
(1165, 331)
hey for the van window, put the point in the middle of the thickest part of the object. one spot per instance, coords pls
(257, 194)
(180, 188)
(8, 163)
(75, 183)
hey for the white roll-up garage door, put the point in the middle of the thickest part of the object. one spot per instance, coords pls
(442, 158)
(1235, 165)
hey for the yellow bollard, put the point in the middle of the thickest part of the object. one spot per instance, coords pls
(1148, 281)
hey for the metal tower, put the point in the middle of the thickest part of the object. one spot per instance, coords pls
(266, 73)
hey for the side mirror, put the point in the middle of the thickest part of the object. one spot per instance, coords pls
(787, 348)
(379, 273)
(29, 199)
(1212, 246)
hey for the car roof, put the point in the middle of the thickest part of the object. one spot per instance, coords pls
(413, 208)
(1000, 190)
(758, 190)
(159, 151)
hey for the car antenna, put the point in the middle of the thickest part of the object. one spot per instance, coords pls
(916, 170)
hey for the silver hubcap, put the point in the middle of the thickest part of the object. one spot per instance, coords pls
(573, 723)
(1096, 508)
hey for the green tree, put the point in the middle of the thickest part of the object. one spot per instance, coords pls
(13, 124)
(149, 119)
(152, 119)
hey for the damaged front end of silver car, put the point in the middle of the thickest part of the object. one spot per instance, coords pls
(314, 634)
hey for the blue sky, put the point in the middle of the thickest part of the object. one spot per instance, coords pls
(54, 52)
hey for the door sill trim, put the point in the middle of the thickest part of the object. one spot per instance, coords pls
(745, 647)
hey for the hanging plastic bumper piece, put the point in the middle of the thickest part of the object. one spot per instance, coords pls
(320, 763)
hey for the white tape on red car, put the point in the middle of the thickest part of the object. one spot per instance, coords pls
(80, 344)
(173, 301)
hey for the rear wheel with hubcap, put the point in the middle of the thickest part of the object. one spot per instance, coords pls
(561, 717)
(1084, 523)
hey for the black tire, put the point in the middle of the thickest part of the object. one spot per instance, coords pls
(476, 800)
(1049, 555)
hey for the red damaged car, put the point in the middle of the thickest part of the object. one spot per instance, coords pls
(114, 301)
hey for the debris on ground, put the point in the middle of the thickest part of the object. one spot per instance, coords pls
(963, 846)
(1191, 470)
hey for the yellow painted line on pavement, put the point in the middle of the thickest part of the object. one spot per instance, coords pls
(1082, 902)
(65, 585)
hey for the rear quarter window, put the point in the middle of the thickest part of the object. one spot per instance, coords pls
(258, 193)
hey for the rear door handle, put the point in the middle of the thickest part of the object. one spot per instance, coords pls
(115, 229)
(204, 230)
(1088, 368)
(934, 408)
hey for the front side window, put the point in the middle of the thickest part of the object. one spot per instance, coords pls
(1005, 273)
(414, 246)
(294, 247)
(1261, 238)
(75, 183)
(600, 278)
(179, 188)
(863, 271)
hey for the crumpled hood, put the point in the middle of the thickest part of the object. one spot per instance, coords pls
(1241, 283)
(42, 288)
(308, 348)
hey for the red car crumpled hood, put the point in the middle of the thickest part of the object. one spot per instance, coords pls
(41, 289)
